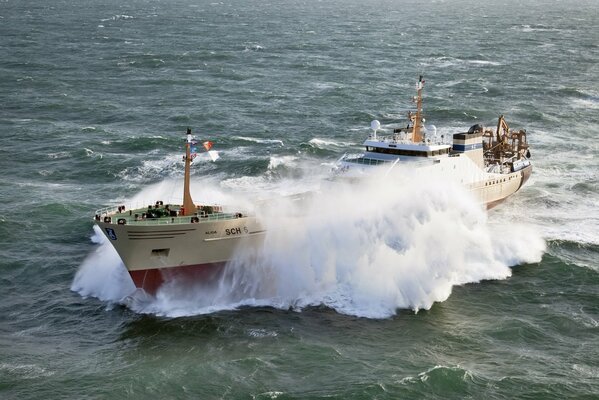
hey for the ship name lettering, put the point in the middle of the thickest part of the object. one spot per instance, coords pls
(210, 232)
(233, 231)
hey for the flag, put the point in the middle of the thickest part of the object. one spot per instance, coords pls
(213, 155)
(193, 151)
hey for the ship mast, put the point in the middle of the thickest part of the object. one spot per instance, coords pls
(189, 207)
(417, 119)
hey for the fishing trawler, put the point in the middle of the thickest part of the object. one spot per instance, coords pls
(492, 163)
(185, 241)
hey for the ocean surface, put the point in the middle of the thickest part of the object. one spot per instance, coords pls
(393, 290)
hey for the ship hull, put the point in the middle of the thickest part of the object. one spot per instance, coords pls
(150, 280)
(158, 253)
(491, 189)
(496, 189)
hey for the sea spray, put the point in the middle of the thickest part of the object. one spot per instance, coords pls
(363, 248)
(102, 274)
(393, 242)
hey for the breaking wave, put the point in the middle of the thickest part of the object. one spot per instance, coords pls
(276, 162)
(258, 140)
(323, 144)
(365, 249)
(102, 274)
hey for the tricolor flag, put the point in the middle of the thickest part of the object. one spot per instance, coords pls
(193, 152)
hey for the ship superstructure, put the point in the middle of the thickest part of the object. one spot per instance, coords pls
(492, 163)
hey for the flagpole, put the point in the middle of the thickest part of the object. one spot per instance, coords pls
(189, 207)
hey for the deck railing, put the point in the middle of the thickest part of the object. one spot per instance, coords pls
(130, 220)
(134, 214)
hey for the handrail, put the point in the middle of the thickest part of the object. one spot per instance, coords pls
(134, 214)
(139, 205)
(130, 220)
(394, 139)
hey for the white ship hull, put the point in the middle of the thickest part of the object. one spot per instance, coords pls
(494, 190)
(489, 188)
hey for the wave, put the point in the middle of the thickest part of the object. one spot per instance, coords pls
(267, 186)
(102, 274)
(582, 98)
(24, 371)
(446, 62)
(253, 47)
(537, 28)
(560, 199)
(258, 140)
(364, 249)
(276, 162)
(117, 17)
(59, 155)
(152, 169)
(587, 104)
(327, 143)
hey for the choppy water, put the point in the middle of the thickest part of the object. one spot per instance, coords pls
(94, 97)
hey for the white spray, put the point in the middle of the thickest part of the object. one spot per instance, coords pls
(102, 274)
(365, 249)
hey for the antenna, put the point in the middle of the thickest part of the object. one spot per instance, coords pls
(418, 119)
(434, 129)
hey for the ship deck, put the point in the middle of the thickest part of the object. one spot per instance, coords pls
(161, 214)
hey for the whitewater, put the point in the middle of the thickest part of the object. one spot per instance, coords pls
(367, 248)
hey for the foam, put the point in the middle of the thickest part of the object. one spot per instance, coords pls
(102, 274)
(365, 249)
(148, 168)
(560, 198)
(261, 141)
(253, 47)
(276, 162)
(24, 371)
(322, 143)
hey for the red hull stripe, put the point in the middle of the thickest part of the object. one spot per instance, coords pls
(150, 280)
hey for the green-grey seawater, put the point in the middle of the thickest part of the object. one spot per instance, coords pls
(95, 97)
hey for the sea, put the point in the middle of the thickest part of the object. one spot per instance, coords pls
(394, 288)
